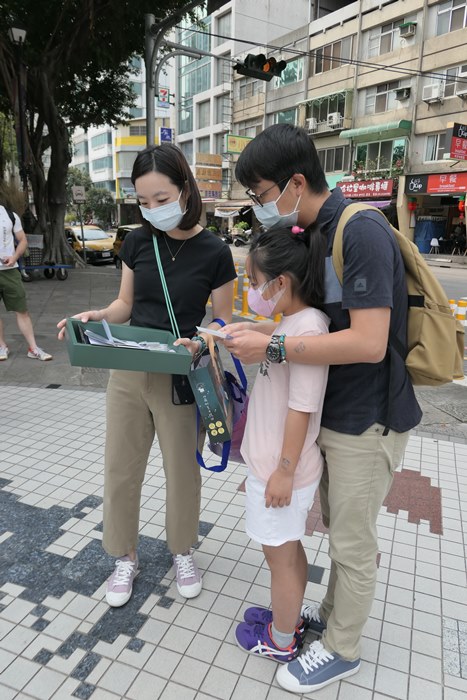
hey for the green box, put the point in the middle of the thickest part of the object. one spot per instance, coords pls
(85, 355)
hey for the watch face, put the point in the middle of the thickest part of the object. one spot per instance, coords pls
(273, 352)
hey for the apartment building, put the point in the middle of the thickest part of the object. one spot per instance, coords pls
(206, 94)
(107, 153)
(376, 84)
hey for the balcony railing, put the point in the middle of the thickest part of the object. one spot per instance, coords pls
(333, 122)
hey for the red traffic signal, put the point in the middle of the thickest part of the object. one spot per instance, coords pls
(260, 67)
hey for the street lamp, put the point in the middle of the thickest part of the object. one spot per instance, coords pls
(17, 36)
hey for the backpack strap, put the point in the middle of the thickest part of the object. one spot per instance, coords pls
(12, 217)
(338, 243)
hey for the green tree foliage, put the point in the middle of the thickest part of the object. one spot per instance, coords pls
(100, 206)
(76, 60)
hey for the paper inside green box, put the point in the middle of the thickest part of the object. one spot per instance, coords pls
(171, 360)
(210, 389)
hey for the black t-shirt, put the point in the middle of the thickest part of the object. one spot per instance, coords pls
(374, 277)
(203, 264)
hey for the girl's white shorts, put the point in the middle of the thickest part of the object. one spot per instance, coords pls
(275, 526)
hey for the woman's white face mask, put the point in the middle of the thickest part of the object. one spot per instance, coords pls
(166, 217)
(269, 215)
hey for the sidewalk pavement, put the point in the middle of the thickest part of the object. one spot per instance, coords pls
(58, 638)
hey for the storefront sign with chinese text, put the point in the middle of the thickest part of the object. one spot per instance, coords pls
(457, 138)
(366, 189)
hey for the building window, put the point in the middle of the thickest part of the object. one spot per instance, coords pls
(223, 70)
(137, 88)
(220, 144)
(285, 117)
(84, 167)
(204, 145)
(377, 156)
(225, 179)
(452, 83)
(101, 139)
(385, 38)
(80, 149)
(185, 123)
(135, 64)
(292, 73)
(126, 160)
(247, 87)
(334, 159)
(382, 98)
(249, 127)
(186, 148)
(101, 163)
(332, 55)
(452, 15)
(224, 28)
(435, 146)
(136, 113)
(322, 108)
(204, 114)
(137, 130)
(105, 185)
(223, 109)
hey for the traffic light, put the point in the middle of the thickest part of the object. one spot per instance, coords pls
(260, 67)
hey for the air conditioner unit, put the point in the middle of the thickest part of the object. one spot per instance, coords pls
(402, 93)
(433, 92)
(311, 123)
(408, 29)
(334, 119)
(462, 93)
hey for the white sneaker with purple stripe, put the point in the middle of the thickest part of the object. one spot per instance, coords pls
(120, 584)
(189, 581)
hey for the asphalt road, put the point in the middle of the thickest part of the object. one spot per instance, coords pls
(445, 408)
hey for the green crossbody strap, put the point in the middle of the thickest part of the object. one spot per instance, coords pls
(173, 320)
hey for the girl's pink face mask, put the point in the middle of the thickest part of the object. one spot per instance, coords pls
(261, 306)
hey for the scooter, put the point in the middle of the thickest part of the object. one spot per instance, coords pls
(243, 237)
(227, 237)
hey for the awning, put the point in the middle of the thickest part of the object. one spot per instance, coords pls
(389, 130)
(230, 207)
(321, 98)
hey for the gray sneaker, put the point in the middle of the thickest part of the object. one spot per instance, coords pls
(189, 581)
(39, 354)
(4, 352)
(315, 669)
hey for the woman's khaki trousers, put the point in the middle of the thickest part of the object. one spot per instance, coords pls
(139, 405)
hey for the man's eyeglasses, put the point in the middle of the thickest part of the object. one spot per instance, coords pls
(256, 198)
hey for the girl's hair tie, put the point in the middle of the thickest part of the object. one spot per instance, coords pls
(297, 229)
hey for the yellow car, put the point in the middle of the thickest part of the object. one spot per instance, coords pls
(98, 244)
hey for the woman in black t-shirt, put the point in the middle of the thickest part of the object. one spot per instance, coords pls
(197, 265)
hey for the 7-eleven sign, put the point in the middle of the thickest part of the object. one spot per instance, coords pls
(164, 94)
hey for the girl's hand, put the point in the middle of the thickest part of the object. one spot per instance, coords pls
(279, 489)
(84, 316)
(193, 346)
(249, 346)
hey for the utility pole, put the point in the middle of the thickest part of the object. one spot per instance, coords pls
(153, 38)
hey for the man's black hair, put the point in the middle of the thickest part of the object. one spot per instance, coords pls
(276, 154)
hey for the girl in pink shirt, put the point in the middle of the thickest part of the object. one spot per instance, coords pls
(286, 272)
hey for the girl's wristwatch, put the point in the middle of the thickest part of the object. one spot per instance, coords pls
(275, 351)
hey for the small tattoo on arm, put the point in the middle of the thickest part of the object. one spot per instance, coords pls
(285, 463)
(300, 347)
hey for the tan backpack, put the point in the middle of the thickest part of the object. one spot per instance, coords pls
(435, 339)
